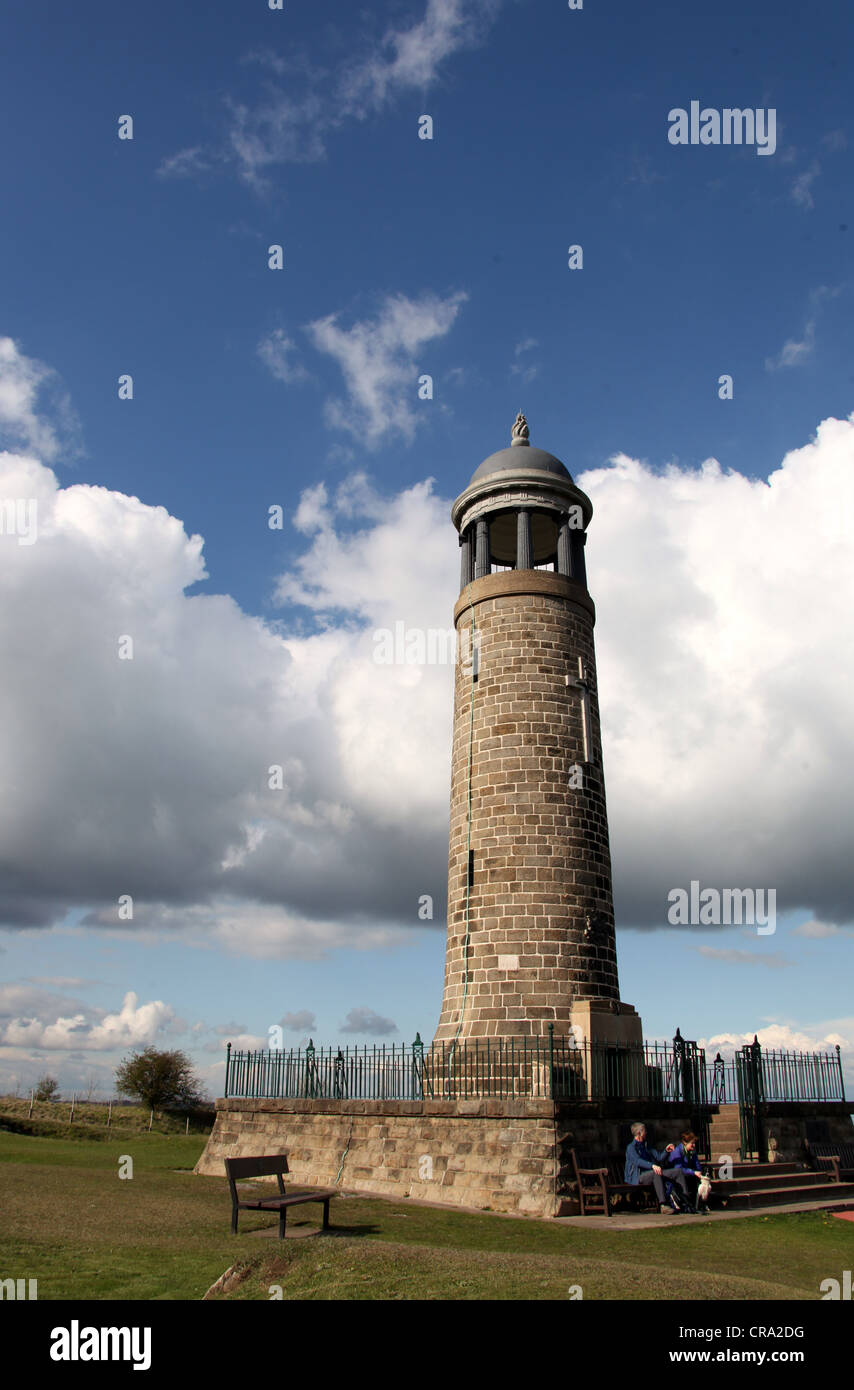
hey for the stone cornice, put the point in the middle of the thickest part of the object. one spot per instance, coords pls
(540, 582)
(524, 487)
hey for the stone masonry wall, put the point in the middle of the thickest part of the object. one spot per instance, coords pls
(790, 1128)
(507, 1156)
(541, 852)
(496, 1154)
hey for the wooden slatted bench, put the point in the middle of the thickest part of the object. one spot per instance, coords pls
(837, 1158)
(272, 1165)
(601, 1176)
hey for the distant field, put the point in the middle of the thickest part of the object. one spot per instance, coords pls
(72, 1223)
(53, 1117)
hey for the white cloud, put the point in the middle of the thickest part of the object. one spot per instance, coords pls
(186, 163)
(783, 1037)
(379, 361)
(723, 681)
(723, 685)
(276, 352)
(30, 393)
(134, 1025)
(411, 58)
(291, 126)
(165, 759)
(796, 351)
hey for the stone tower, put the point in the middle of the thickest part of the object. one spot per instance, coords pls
(530, 916)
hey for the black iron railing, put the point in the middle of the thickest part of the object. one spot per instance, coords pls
(776, 1076)
(548, 1067)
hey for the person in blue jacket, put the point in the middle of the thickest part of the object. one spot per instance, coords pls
(645, 1166)
(685, 1157)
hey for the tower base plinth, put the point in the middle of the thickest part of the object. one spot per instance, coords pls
(608, 1022)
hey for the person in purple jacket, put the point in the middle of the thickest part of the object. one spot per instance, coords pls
(684, 1157)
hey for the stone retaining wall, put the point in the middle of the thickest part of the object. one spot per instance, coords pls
(503, 1155)
(481, 1153)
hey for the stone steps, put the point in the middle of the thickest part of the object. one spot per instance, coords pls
(768, 1182)
(769, 1197)
(757, 1170)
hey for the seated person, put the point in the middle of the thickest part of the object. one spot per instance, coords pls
(684, 1157)
(645, 1166)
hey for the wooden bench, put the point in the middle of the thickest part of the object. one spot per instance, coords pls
(601, 1176)
(837, 1158)
(272, 1165)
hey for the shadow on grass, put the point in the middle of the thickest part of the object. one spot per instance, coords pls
(349, 1232)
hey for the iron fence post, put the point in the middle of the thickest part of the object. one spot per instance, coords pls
(756, 1069)
(228, 1067)
(551, 1061)
(417, 1068)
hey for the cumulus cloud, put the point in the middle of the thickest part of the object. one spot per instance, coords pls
(368, 1022)
(378, 359)
(134, 1025)
(729, 752)
(783, 1037)
(292, 124)
(722, 679)
(152, 777)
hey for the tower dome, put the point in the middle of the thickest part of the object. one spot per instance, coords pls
(512, 459)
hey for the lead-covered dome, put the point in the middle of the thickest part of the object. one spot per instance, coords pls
(520, 454)
(512, 459)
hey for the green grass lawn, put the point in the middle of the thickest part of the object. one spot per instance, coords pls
(71, 1222)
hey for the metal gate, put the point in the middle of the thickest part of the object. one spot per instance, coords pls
(749, 1082)
(689, 1062)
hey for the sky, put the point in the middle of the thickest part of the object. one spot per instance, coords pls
(253, 342)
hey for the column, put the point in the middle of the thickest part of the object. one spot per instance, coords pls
(465, 559)
(579, 569)
(481, 549)
(564, 558)
(524, 553)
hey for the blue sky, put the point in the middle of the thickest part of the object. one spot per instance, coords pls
(723, 599)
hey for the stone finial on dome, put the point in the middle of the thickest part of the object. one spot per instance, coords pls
(519, 433)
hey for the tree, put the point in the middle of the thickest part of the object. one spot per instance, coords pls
(47, 1088)
(161, 1080)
